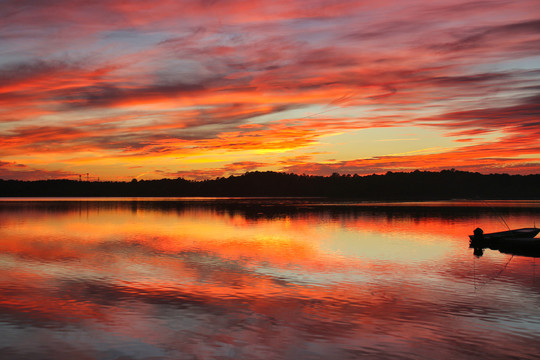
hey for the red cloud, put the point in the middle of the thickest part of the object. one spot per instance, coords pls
(15, 171)
(134, 79)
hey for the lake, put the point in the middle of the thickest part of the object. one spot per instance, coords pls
(199, 278)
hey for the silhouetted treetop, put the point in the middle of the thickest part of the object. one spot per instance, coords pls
(416, 185)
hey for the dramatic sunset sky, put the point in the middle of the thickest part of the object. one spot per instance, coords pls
(206, 88)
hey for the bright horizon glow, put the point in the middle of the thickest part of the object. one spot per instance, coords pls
(199, 90)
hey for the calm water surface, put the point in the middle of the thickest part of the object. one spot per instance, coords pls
(262, 279)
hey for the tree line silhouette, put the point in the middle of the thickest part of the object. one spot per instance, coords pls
(416, 185)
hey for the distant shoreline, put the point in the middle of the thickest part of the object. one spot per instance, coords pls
(392, 186)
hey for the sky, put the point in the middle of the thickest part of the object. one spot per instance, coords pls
(202, 89)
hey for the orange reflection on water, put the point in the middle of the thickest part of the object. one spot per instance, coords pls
(156, 273)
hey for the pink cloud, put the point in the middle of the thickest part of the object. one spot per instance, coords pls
(137, 79)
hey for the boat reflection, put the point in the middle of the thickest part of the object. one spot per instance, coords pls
(510, 250)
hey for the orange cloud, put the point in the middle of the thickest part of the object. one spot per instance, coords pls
(182, 78)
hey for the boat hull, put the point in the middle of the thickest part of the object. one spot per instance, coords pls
(515, 234)
(517, 242)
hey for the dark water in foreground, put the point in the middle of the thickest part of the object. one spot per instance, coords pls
(263, 279)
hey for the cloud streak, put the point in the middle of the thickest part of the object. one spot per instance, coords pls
(100, 82)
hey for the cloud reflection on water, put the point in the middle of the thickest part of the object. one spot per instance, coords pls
(142, 281)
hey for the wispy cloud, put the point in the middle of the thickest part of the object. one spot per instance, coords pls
(110, 80)
(9, 170)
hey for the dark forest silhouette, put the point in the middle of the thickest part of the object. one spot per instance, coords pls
(416, 185)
